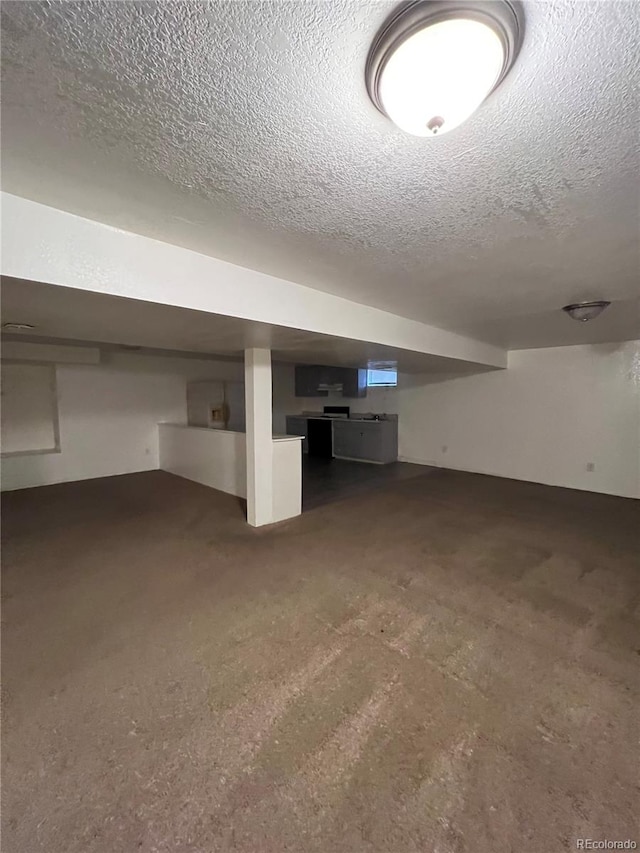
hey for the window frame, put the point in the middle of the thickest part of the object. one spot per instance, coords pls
(55, 411)
(390, 370)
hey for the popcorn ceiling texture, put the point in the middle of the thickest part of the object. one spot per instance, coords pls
(243, 130)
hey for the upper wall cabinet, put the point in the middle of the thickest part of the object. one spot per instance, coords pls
(313, 380)
(354, 383)
(307, 380)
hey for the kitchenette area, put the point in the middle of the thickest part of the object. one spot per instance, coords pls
(346, 425)
(336, 433)
(348, 421)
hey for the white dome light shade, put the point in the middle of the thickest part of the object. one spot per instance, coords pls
(434, 62)
(439, 76)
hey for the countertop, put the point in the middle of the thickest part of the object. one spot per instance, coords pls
(350, 420)
(274, 437)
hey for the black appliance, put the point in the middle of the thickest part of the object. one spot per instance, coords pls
(320, 438)
(336, 411)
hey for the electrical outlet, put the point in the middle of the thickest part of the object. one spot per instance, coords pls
(591, 466)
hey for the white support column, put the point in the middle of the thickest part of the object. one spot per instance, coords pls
(257, 390)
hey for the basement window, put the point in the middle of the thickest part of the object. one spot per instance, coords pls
(29, 409)
(382, 378)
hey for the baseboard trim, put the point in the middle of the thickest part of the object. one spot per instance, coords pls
(432, 464)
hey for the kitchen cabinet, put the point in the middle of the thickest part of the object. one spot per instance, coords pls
(354, 383)
(366, 440)
(373, 441)
(309, 376)
(298, 426)
(344, 440)
(307, 379)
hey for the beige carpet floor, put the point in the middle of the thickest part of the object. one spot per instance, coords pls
(447, 665)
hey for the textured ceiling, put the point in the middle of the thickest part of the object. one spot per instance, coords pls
(243, 130)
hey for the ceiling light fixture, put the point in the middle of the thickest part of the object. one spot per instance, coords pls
(435, 61)
(18, 327)
(583, 311)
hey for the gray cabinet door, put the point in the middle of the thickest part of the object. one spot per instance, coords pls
(307, 379)
(349, 440)
(309, 376)
(387, 441)
(354, 383)
(373, 441)
(342, 438)
(298, 426)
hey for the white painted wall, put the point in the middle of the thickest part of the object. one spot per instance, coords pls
(258, 404)
(213, 457)
(287, 478)
(54, 353)
(108, 415)
(286, 403)
(544, 419)
(218, 459)
(203, 396)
